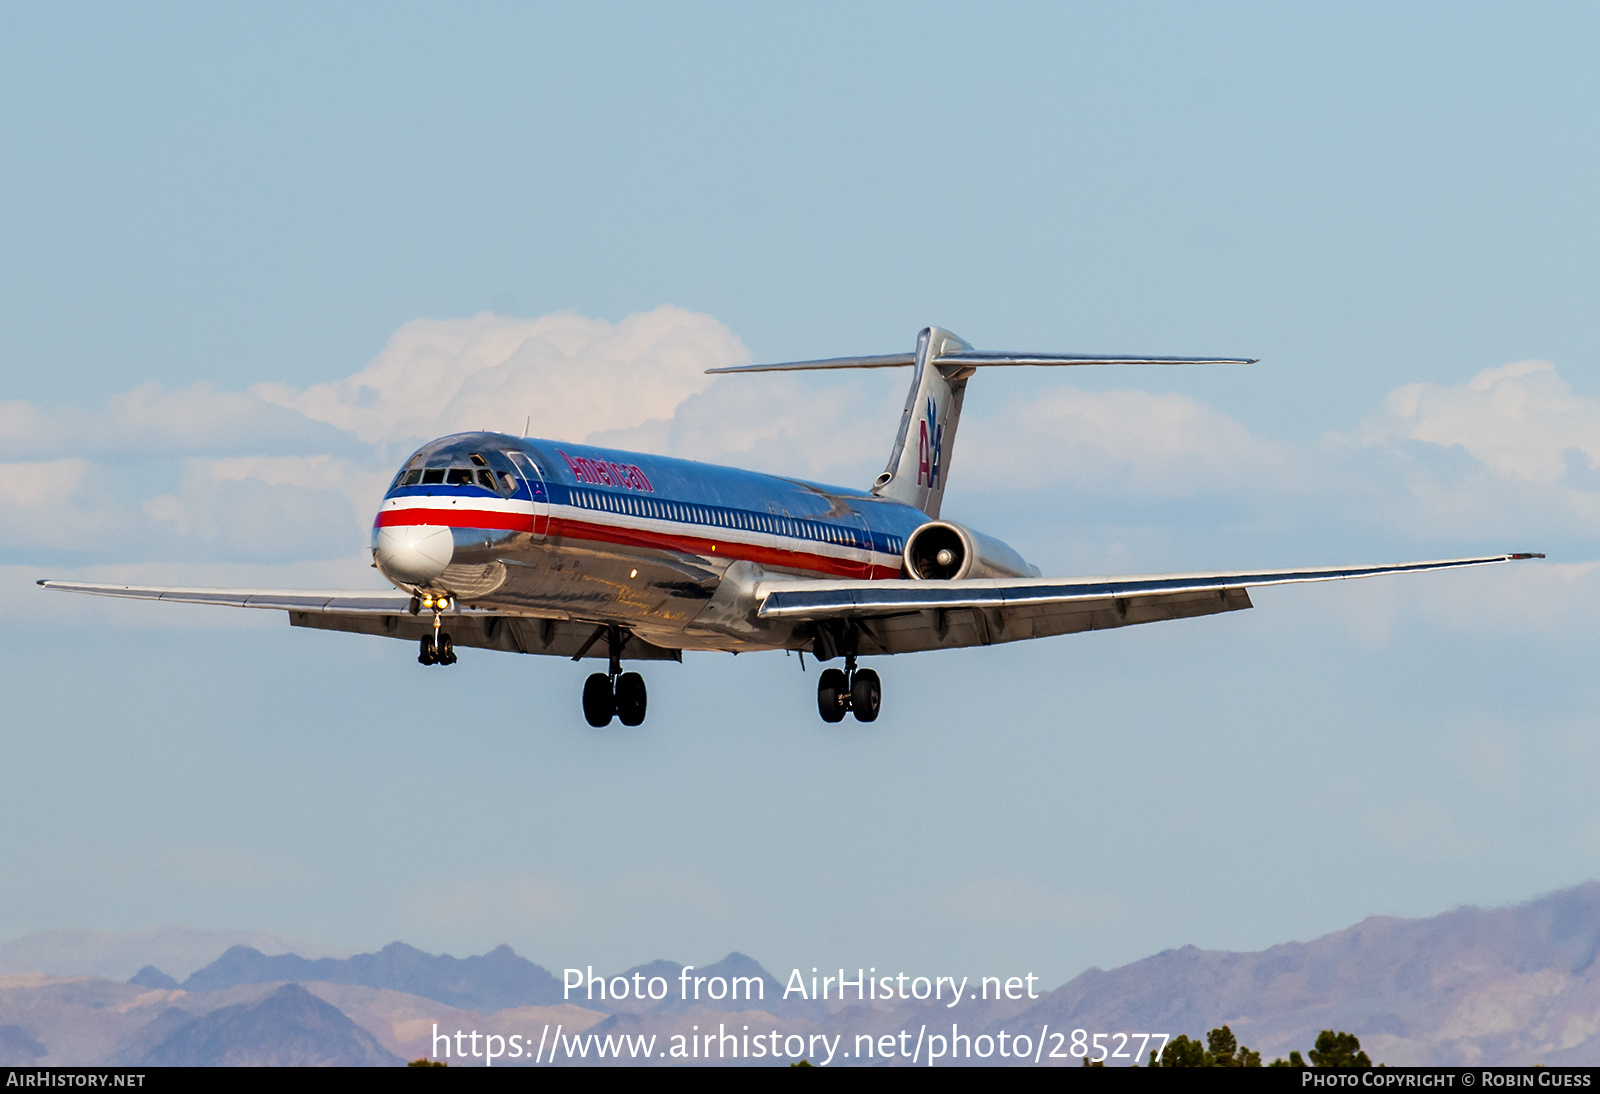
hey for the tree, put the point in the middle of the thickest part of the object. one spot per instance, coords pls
(1227, 1052)
(1333, 1050)
(1221, 1049)
(1182, 1052)
(1339, 1050)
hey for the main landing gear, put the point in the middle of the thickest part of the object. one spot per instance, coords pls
(437, 649)
(614, 694)
(854, 690)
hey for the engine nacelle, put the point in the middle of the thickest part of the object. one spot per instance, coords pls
(942, 551)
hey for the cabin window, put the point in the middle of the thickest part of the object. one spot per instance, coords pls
(508, 482)
(410, 478)
(433, 476)
(477, 459)
(459, 476)
(486, 480)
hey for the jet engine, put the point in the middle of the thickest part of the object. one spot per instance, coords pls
(943, 551)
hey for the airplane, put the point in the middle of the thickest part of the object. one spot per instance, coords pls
(548, 547)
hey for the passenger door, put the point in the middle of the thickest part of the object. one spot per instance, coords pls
(536, 490)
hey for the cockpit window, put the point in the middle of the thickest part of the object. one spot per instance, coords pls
(481, 476)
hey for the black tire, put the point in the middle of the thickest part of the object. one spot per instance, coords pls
(599, 704)
(831, 695)
(631, 698)
(425, 655)
(866, 695)
(447, 650)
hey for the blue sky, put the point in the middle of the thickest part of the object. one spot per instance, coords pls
(253, 255)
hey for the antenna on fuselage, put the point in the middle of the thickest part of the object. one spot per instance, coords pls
(527, 424)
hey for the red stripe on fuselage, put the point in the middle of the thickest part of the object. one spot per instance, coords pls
(462, 518)
(715, 548)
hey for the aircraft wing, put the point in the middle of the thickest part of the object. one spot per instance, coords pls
(387, 614)
(905, 616)
(376, 602)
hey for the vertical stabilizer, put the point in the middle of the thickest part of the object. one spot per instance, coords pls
(920, 458)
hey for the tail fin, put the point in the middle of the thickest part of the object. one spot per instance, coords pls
(917, 462)
(943, 364)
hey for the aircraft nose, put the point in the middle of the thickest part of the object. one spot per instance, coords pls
(413, 554)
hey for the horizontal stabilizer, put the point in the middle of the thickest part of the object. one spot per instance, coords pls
(889, 360)
(983, 359)
(978, 357)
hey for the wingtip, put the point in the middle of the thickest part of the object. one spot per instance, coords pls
(1527, 554)
(42, 581)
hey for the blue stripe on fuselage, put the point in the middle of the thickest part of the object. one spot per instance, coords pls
(692, 493)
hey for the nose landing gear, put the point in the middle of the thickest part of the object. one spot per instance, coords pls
(614, 694)
(437, 649)
(857, 691)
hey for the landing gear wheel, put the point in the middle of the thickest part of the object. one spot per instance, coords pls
(630, 698)
(866, 695)
(833, 692)
(427, 655)
(599, 702)
(447, 650)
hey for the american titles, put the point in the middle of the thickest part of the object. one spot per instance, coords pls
(605, 473)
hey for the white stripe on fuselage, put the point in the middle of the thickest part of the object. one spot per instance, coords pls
(436, 501)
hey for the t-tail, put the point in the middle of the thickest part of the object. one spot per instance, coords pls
(919, 462)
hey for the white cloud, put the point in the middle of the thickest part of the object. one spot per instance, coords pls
(572, 376)
(273, 473)
(151, 421)
(362, 486)
(1138, 441)
(50, 504)
(1519, 420)
(250, 509)
(828, 429)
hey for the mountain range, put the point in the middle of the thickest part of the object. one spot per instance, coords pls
(1470, 986)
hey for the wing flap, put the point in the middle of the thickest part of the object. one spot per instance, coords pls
(951, 628)
(509, 634)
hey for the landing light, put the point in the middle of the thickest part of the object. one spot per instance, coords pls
(633, 573)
